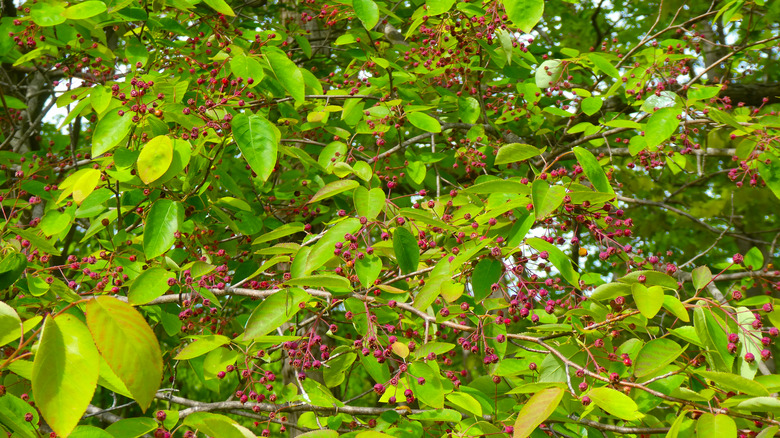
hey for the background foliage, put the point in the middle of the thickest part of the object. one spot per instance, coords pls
(518, 218)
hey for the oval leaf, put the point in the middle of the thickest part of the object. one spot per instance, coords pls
(524, 14)
(424, 122)
(514, 152)
(155, 158)
(151, 284)
(274, 311)
(537, 409)
(65, 372)
(258, 140)
(655, 355)
(334, 189)
(161, 224)
(128, 346)
(110, 130)
(615, 403)
(649, 300)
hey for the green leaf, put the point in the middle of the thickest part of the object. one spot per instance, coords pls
(701, 92)
(131, 427)
(12, 413)
(601, 62)
(591, 105)
(367, 11)
(416, 171)
(593, 170)
(155, 158)
(558, 259)
(655, 355)
(546, 198)
(322, 251)
(11, 268)
(437, 7)
(247, 67)
(128, 346)
(369, 203)
(609, 291)
(424, 122)
(431, 391)
(65, 372)
(407, 253)
(548, 73)
(47, 14)
(201, 346)
(537, 409)
(110, 131)
(84, 10)
(661, 126)
(10, 324)
(258, 140)
(465, 402)
(673, 305)
(151, 284)
(514, 152)
(524, 14)
(487, 272)
(468, 109)
(220, 6)
(701, 277)
(652, 278)
(734, 382)
(721, 426)
(761, 404)
(274, 311)
(368, 269)
(283, 231)
(754, 259)
(161, 223)
(334, 189)
(714, 337)
(649, 300)
(615, 403)
(288, 74)
(770, 173)
(84, 431)
(327, 281)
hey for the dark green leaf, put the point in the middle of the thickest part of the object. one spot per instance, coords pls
(161, 223)
(407, 252)
(274, 311)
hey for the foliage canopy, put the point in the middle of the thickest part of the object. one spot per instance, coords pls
(363, 218)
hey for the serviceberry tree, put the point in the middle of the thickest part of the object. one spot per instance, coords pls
(371, 218)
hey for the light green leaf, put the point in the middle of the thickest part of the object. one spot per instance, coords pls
(65, 372)
(110, 131)
(368, 269)
(155, 158)
(546, 198)
(593, 170)
(369, 203)
(334, 189)
(734, 382)
(128, 346)
(537, 409)
(558, 259)
(220, 6)
(701, 277)
(84, 10)
(201, 346)
(548, 73)
(424, 122)
(514, 152)
(661, 126)
(615, 403)
(437, 7)
(604, 65)
(151, 284)
(649, 300)
(274, 311)
(721, 426)
(288, 74)
(367, 11)
(591, 105)
(655, 355)
(524, 14)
